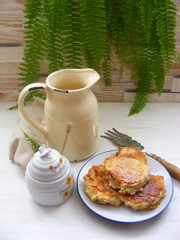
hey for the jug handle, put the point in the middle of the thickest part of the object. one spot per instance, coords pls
(22, 95)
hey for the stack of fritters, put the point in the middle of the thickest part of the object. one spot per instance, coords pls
(125, 177)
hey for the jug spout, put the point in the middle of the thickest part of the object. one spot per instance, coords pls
(72, 80)
(90, 77)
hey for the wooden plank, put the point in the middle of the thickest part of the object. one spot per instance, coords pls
(9, 89)
(12, 35)
(168, 83)
(9, 82)
(11, 53)
(175, 69)
(12, 5)
(165, 97)
(178, 21)
(44, 67)
(177, 37)
(110, 97)
(9, 68)
(9, 96)
(126, 84)
(176, 84)
(11, 19)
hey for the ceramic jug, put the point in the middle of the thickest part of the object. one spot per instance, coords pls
(69, 102)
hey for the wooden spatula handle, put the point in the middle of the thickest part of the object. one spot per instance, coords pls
(172, 169)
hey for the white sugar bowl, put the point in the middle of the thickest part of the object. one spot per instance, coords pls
(49, 177)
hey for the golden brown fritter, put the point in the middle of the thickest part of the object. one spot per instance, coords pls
(97, 188)
(150, 197)
(132, 152)
(128, 175)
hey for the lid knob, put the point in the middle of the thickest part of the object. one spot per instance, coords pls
(44, 151)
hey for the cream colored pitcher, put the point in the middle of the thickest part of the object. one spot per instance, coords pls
(69, 102)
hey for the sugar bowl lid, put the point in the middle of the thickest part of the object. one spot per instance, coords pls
(47, 165)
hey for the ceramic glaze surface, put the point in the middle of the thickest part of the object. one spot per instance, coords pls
(47, 165)
(49, 177)
(69, 100)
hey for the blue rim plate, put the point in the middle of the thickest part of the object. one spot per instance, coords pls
(124, 214)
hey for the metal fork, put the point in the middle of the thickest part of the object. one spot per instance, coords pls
(122, 140)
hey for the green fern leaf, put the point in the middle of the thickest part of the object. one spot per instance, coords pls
(53, 13)
(34, 49)
(73, 46)
(157, 61)
(106, 66)
(35, 146)
(166, 23)
(94, 25)
(68, 33)
(122, 23)
(139, 103)
(13, 107)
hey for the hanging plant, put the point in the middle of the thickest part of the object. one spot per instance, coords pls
(84, 33)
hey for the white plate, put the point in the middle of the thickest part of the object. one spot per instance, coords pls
(124, 214)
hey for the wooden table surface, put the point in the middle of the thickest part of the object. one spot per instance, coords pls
(157, 128)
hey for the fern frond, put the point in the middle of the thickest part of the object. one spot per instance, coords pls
(145, 84)
(73, 46)
(94, 25)
(34, 35)
(35, 146)
(33, 94)
(139, 103)
(166, 23)
(122, 23)
(106, 65)
(150, 59)
(69, 32)
(53, 13)
(157, 61)
(13, 107)
(141, 57)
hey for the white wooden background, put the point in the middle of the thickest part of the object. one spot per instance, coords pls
(11, 53)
